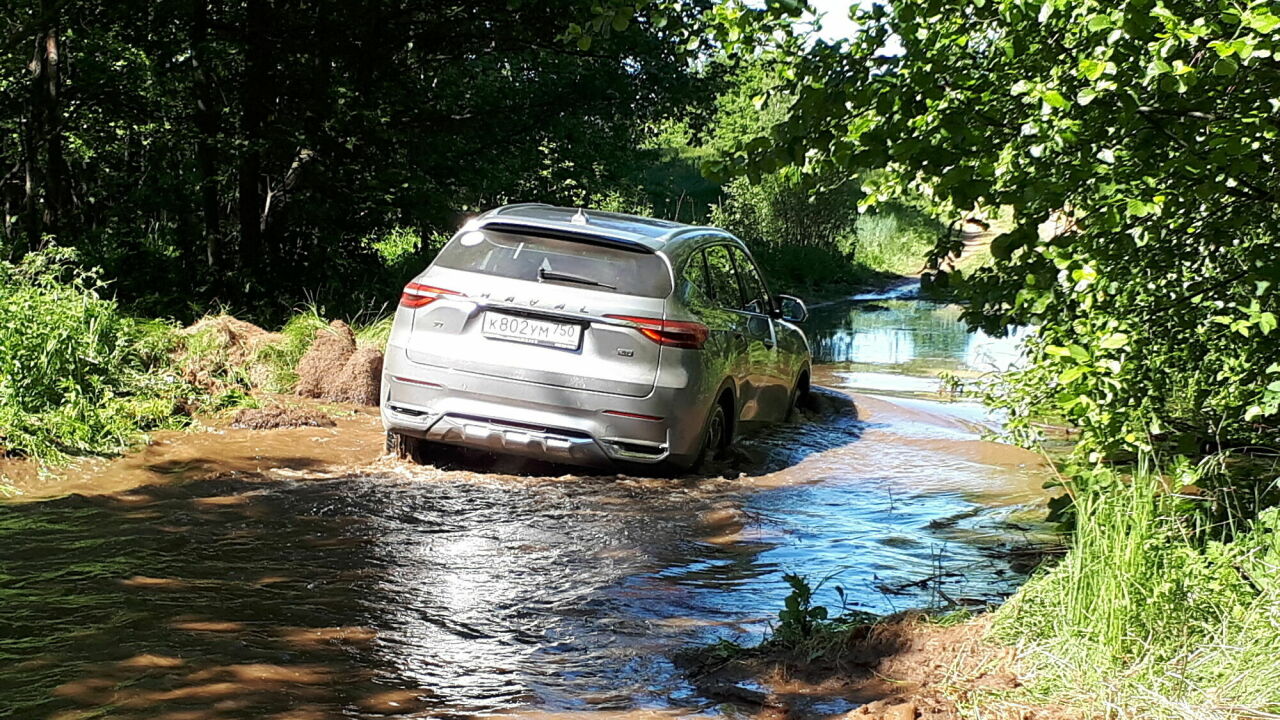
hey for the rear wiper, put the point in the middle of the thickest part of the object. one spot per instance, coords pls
(547, 274)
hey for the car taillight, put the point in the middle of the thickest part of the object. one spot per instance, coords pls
(416, 295)
(675, 333)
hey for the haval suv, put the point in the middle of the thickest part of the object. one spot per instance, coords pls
(589, 338)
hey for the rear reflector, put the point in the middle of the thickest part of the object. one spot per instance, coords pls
(636, 416)
(674, 333)
(416, 295)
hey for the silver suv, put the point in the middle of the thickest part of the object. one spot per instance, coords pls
(590, 338)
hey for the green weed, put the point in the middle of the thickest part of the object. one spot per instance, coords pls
(1153, 612)
(278, 361)
(808, 630)
(77, 376)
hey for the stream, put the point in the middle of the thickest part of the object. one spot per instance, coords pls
(423, 592)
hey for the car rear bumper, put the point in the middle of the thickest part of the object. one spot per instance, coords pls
(540, 421)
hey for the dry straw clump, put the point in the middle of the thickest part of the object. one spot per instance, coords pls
(325, 360)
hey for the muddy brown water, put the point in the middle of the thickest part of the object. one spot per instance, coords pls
(270, 588)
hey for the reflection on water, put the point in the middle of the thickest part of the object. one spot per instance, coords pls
(432, 593)
(365, 595)
(907, 336)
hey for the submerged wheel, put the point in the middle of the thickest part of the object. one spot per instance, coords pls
(715, 438)
(407, 447)
(799, 396)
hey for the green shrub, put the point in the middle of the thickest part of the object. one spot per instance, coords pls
(77, 376)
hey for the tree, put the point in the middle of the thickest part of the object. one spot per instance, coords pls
(1135, 142)
(248, 151)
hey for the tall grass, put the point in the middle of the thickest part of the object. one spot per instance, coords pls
(279, 359)
(1153, 613)
(77, 376)
(895, 240)
(375, 333)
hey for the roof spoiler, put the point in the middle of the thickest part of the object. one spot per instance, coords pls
(568, 235)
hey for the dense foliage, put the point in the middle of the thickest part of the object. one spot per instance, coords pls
(256, 152)
(1135, 142)
(805, 228)
(77, 376)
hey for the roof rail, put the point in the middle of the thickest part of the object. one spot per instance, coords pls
(517, 206)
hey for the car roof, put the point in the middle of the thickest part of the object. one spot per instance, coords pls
(650, 233)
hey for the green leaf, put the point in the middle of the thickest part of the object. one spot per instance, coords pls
(1139, 208)
(1079, 353)
(1266, 322)
(1114, 341)
(1055, 98)
(1225, 66)
(1092, 69)
(1262, 21)
(1071, 374)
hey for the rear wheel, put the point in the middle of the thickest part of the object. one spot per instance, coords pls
(715, 437)
(407, 447)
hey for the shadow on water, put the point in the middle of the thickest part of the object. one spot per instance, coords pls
(472, 589)
(360, 595)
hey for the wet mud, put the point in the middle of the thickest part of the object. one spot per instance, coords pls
(905, 667)
(299, 573)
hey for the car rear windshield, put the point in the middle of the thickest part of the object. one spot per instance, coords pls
(572, 263)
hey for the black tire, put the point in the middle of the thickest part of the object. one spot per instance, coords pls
(407, 447)
(799, 396)
(716, 437)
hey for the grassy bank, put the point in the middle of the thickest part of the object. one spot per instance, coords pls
(80, 376)
(1157, 611)
(876, 247)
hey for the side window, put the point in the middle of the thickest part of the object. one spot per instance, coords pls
(756, 298)
(724, 281)
(696, 286)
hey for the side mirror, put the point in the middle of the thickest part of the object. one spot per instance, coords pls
(793, 309)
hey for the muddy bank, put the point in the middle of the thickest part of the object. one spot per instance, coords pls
(906, 667)
(216, 447)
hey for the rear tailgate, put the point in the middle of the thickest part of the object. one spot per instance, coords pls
(524, 308)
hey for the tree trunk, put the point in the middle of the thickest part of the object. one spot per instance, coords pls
(31, 183)
(255, 90)
(206, 121)
(48, 86)
(44, 166)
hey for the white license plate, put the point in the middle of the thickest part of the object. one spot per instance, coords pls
(529, 330)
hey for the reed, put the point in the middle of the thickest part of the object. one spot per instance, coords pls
(1154, 613)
